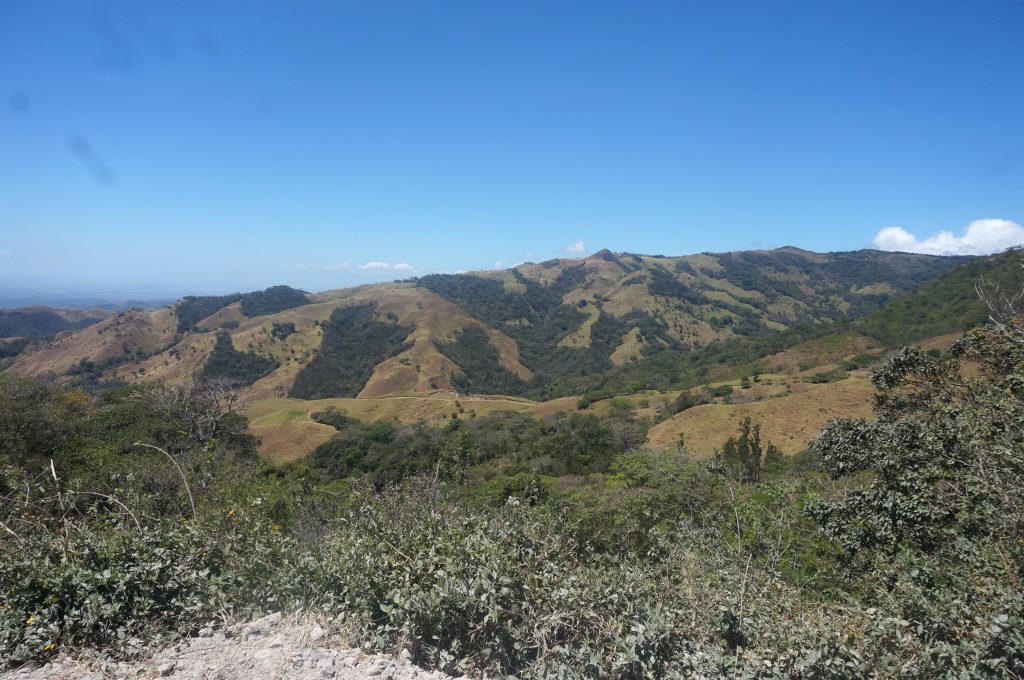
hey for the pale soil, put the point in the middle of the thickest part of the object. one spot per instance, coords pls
(293, 648)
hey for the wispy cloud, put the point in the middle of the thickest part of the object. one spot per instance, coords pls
(980, 237)
(498, 264)
(395, 266)
(4, 252)
(577, 247)
(326, 267)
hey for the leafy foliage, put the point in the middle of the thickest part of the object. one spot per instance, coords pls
(388, 453)
(228, 363)
(480, 363)
(949, 304)
(194, 308)
(282, 329)
(745, 453)
(354, 341)
(515, 547)
(272, 300)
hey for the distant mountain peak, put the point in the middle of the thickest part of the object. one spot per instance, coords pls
(603, 254)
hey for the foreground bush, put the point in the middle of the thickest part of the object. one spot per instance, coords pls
(78, 571)
(903, 560)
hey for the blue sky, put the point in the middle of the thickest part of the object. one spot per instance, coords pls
(211, 146)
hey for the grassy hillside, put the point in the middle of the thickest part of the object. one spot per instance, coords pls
(354, 341)
(581, 324)
(947, 304)
(607, 323)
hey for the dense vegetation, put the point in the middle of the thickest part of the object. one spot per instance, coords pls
(818, 281)
(354, 341)
(272, 300)
(949, 304)
(482, 371)
(827, 286)
(228, 363)
(37, 323)
(282, 330)
(503, 446)
(557, 548)
(13, 347)
(194, 308)
(538, 320)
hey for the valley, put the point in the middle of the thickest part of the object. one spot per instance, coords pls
(691, 345)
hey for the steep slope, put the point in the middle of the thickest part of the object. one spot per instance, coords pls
(542, 330)
(39, 322)
(574, 319)
(126, 337)
(948, 304)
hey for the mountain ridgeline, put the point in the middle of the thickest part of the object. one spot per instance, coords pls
(541, 330)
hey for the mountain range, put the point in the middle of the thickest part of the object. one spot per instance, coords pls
(538, 330)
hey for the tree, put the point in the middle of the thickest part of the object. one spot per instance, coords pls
(745, 454)
(203, 411)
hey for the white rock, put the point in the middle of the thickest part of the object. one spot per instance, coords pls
(165, 668)
(317, 633)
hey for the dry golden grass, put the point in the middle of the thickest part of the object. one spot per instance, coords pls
(628, 349)
(789, 421)
(127, 331)
(288, 432)
(581, 336)
(232, 312)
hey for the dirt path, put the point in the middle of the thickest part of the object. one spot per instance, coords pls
(297, 648)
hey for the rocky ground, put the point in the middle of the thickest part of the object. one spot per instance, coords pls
(272, 647)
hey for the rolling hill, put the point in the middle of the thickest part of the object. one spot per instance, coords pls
(675, 340)
(39, 322)
(545, 330)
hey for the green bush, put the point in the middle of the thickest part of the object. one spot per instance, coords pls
(80, 571)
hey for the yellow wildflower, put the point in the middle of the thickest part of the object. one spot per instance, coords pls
(30, 619)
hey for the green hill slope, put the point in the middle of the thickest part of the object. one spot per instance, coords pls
(949, 304)
(540, 330)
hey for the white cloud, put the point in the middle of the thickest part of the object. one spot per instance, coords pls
(397, 266)
(326, 267)
(498, 264)
(577, 247)
(981, 237)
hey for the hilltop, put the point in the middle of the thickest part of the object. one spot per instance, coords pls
(539, 330)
